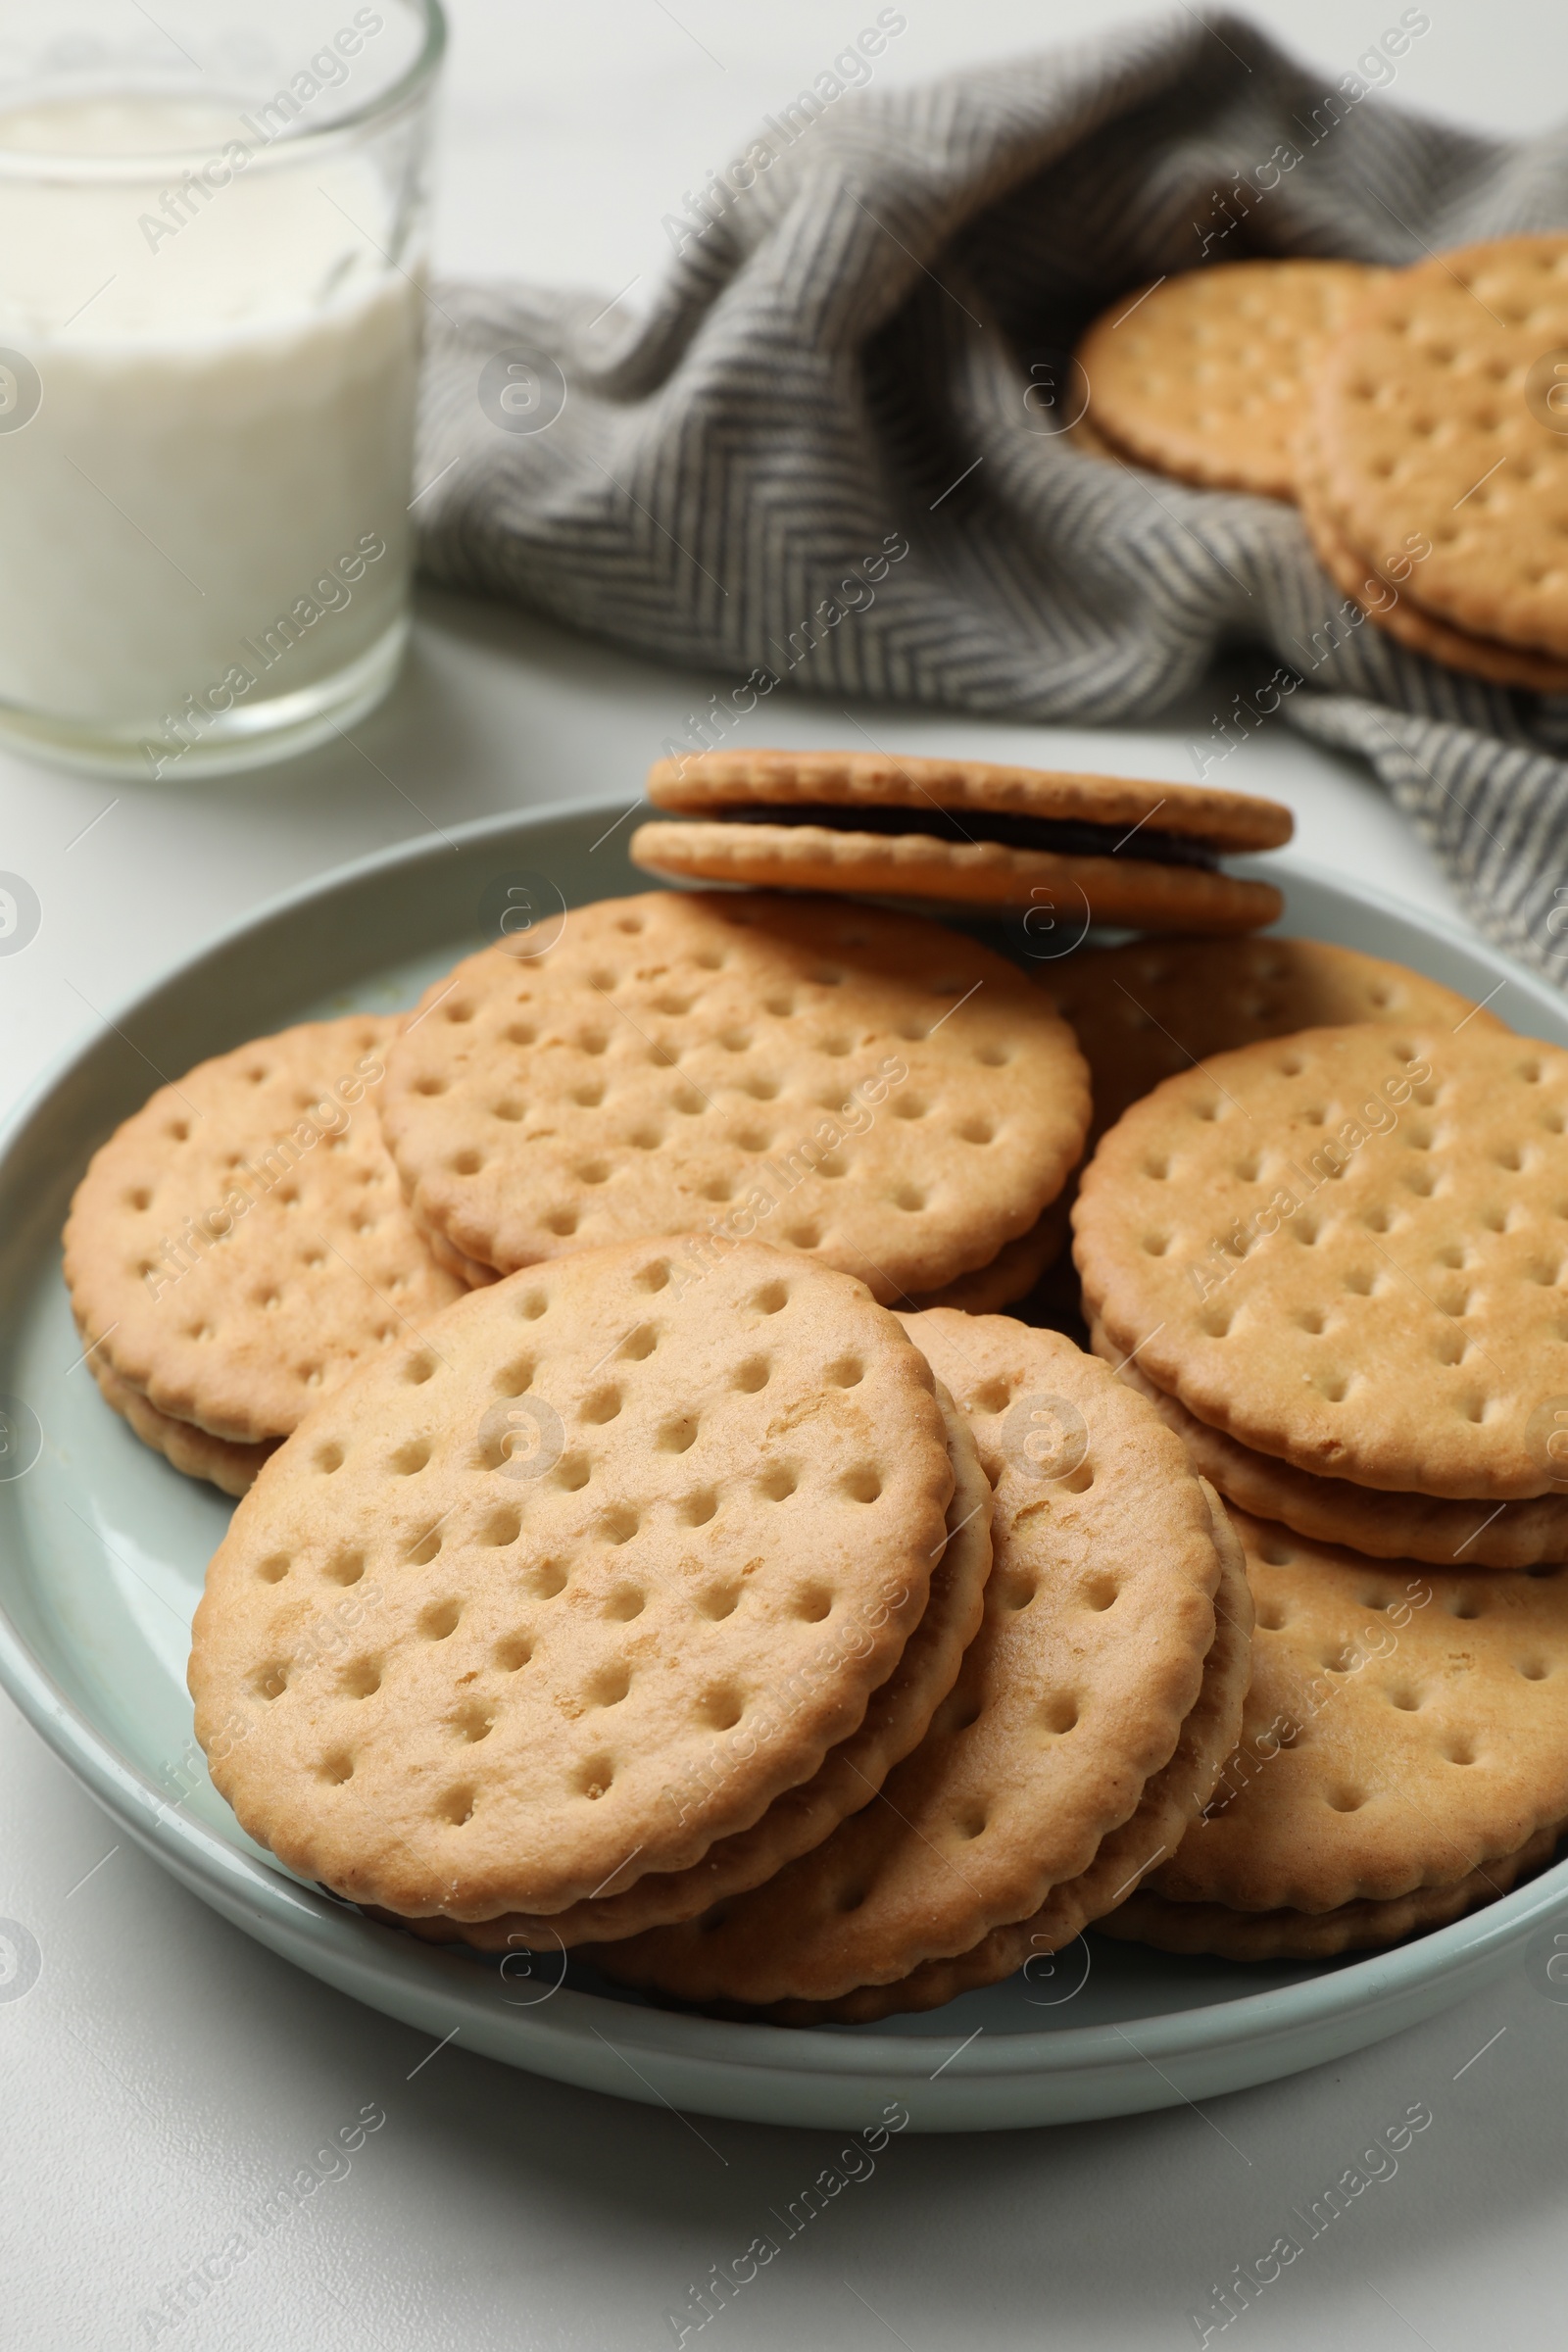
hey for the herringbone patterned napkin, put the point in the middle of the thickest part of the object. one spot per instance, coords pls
(829, 457)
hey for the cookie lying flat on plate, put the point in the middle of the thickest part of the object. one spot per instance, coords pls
(1404, 1735)
(240, 1244)
(865, 1088)
(1209, 375)
(1098, 1619)
(576, 1582)
(895, 1719)
(1071, 848)
(1345, 1248)
(1151, 1009)
(1369, 1519)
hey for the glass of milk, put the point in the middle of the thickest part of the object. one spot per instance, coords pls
(211, 294)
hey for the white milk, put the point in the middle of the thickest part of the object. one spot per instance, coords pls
(208, 510)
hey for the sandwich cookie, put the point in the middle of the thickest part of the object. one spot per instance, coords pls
(1071, 848)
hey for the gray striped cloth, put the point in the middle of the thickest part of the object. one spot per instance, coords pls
(830, 455)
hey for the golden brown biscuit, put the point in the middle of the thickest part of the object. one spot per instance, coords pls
(1403, 1733)
(240, 1244)
(1172, 1801)
(1209, 375)
(865, 1088)
(574, 1583)
(1370, 1520)
(1098, 1619)
(1154, 1008)
(1149, 1918)
(232, 1468)
(1431, 417)
(895, 1719)
(1345, 1248)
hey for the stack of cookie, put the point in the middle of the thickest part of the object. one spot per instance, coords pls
(783, 1655)
(1332, 1263)
(1396, 1769)
(1417, 417)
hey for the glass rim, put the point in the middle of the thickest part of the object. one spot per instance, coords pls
(401, 96)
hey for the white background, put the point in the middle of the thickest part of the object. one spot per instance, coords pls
(165, 2072)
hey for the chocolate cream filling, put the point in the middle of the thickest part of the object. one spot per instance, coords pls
(1065, 836)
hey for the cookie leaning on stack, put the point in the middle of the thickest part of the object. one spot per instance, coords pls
(1339, 1255)
(1070, 848)
(1209, 375)
(865, 1088)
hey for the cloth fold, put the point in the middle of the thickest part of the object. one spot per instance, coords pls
(832, 455)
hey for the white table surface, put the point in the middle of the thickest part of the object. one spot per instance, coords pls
(163, 2072)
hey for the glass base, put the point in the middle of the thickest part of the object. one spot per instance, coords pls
(254, 735)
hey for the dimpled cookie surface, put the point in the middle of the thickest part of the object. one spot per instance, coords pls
(866, 1089)
(1347, 1248)
(576, 1582)
(240, 1244)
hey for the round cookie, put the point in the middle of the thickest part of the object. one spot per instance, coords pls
(1208, 376)
(625, 1556)
(1428, 419)
(1343, 1248)
(715, 782)
(1150, 1009)
(1149, 1918)
(1389, 602)
(1404, 1731)
(1129, 891)
(851, 1772)
(1098, 1619)
(187, 1449)
(1381, 1525)
(240, 1244)
(864, 1088)
(1172, 1801)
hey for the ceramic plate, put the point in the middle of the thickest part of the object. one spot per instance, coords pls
(103, 1548)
